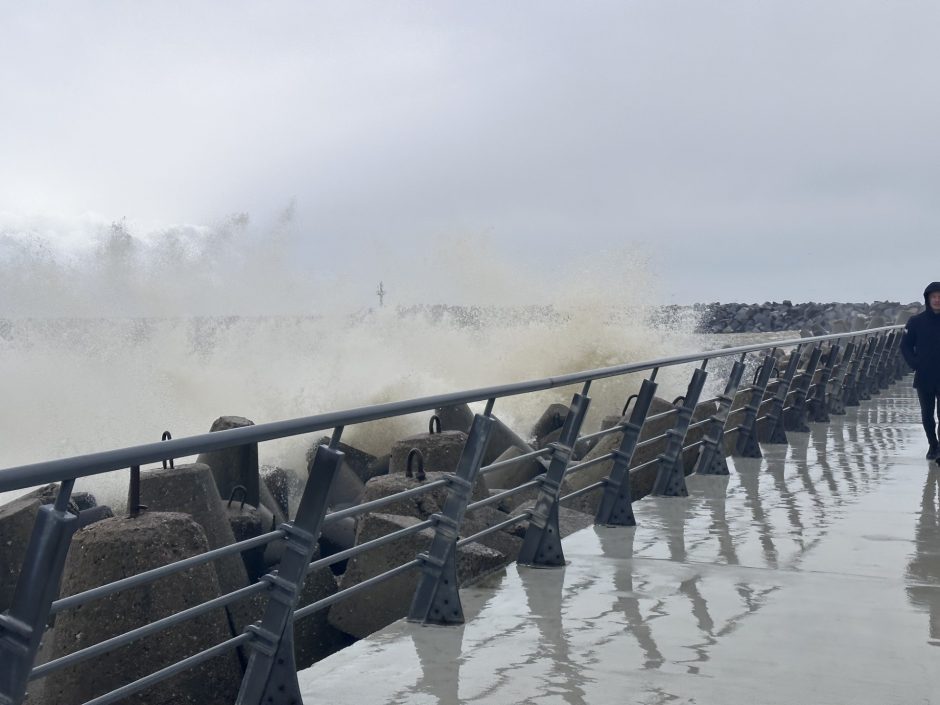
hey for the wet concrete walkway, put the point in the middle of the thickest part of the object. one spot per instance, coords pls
(810, 577)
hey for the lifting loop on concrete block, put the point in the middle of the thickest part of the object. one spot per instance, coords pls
(167, 464)
(435, 422)
(677, 400)
(415, 455)
(238, 489)
(627, 405)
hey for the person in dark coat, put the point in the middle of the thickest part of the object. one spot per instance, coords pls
(920, 346)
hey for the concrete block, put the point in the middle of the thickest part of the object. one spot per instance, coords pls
(421, 506)
(552, 418)
(116, 548)
(440, 451)
(368, 611)
(235, 466)
(16, 526)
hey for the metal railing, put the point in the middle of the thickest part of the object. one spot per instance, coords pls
(823, 375)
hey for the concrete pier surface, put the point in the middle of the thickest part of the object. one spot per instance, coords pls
(809, 577)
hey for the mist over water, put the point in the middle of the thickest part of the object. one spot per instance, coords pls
(112, 333)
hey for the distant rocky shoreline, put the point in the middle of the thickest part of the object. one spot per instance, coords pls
(810, 318)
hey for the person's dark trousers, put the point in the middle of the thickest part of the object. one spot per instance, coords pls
(929, 405)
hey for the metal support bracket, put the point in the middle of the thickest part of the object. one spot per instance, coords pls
(872, 375)
(270, 677)
(747, 445)
(774, 431)
(795, 418)
(835, 403)
(22, 626)
(616, 505)
(861, 381)
(670, 476)
(436, 599)
(816, 405)
(542, 543)
(711, 458)
(886, 363)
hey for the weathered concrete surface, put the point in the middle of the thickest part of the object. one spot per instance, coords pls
(809, 576)
(370, 610)
(422, 505)
(314, 637)
(512, 475)
(440, 451)
(190, 488)
(117, 548)
(16, 526)
(551, 419)
(459, 418)
(236, 466)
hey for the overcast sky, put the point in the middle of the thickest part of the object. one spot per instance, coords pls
(751, 150)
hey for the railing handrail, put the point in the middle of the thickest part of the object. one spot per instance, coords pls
(33, 474)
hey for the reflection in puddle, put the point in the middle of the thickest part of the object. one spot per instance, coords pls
(924, 568)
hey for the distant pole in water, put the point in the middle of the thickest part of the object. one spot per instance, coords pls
(381, 293)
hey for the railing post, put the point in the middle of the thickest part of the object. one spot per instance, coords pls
(22, 626)
(816, 404)
(872, 377)
(711, 458)
(844, 389)
(670, 476)
(616, 505)
(747, 445)
(795, 419)
(862, 381)
(850, 382)
(542, 543)
(271, 675)
(775, 432)
(437, 598)
(886, 363)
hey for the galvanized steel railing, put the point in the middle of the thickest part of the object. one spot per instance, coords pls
(803, 392)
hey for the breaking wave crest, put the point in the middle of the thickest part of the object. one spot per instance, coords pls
(111, 334)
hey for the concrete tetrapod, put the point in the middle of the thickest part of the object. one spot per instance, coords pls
(120, 547)
(190, 488)
(16, 526)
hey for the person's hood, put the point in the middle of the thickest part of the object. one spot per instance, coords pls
(931, 288)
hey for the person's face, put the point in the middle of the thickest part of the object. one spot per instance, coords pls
(934, 300)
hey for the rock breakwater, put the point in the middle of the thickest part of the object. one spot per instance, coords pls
(809, 318)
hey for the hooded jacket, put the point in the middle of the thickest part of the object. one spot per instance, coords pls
(920, 344)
